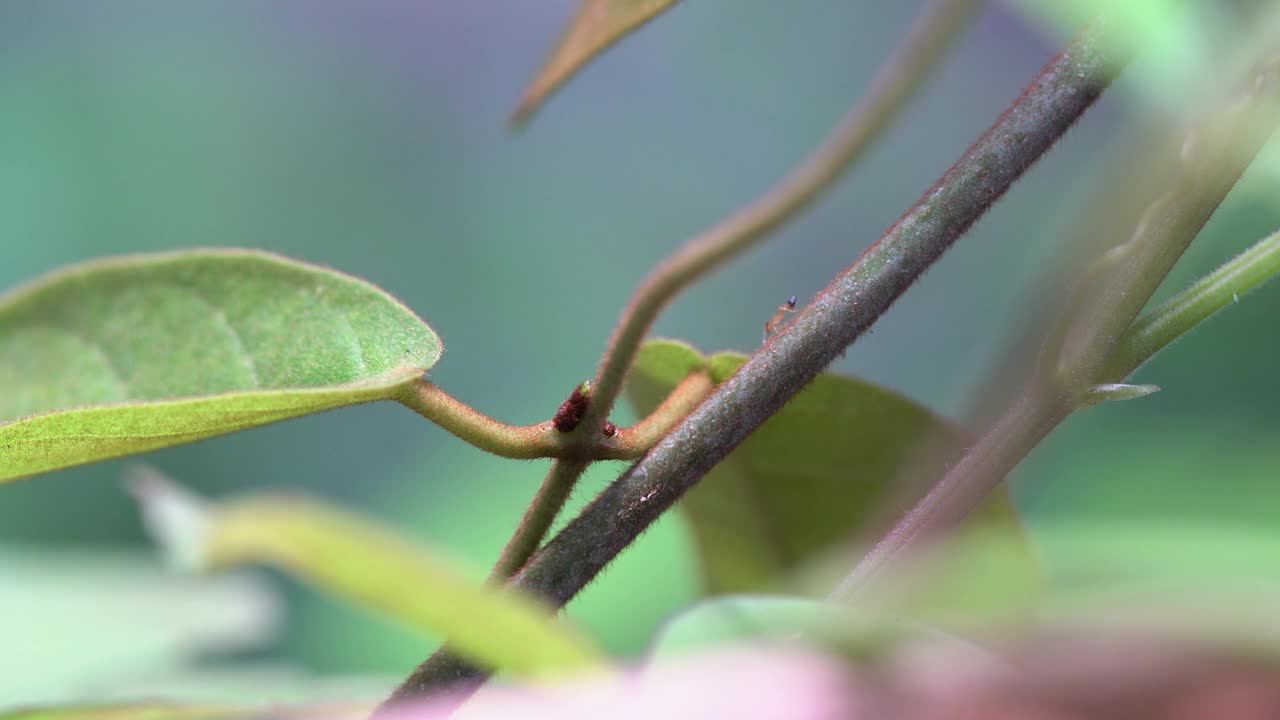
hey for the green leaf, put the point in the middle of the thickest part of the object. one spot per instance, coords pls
(155, 710)
(240, 683)
(598, 24)
(855, 632)
(1177, 580)
(1172, 579)
(735, 619)
(808, 480)
(357, 559)
(55, 606)
(191, 691)
(126, 355)
(1175, 36)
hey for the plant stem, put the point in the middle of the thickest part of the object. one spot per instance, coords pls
(511, 441)
(537, 519)
(1062, 91)
(893, 84)
(1019, 430)
(683, 399)
(1214, 156)
(1155, 330)
(564, 474)
(542, 440)
(1065, 88)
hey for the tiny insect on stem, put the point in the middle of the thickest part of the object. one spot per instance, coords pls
(775, 322)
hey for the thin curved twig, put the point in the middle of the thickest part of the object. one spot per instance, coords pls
(894, 83)
(1059, 95)
(897, 79)
(543, 440)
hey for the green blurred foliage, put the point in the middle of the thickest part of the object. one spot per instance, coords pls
(81, 623)
(818, 473)
(369, 137)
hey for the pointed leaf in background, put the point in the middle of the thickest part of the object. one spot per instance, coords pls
(808, 480)
(597, 25)
(125, 355)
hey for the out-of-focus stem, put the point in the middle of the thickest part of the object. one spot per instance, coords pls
(1059, 95)
(894, 83)
(1214, 155)
(1152, 332)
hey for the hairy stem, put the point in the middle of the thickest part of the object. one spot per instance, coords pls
(1155, 330)
(543, 440)
(560, 480)
(510, 441)
(1064, 89)
(683, 399)
(537, 519)
(893, 84)
(1214, 156)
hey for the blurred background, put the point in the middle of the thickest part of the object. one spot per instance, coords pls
(370, 137)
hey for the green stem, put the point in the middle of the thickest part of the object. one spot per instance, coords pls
(511, 441)
(894, 83)
(538, 518)
(542, 440)
(1214, 156)
(682, 400)
(560, 480)
(1155, 330)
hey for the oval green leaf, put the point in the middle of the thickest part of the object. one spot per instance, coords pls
(598, 24)
(125, 355)
(355, 558)
(808, 480)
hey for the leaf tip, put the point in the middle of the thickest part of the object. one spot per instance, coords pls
(176, 518)
(597, 25)
(519, 117)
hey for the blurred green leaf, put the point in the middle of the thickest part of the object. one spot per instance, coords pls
(808, 479)
(357, 559)
(740, 618)
(218, 689)
(1173, 580)
(1159, 553)
(126, 355)
(181, 710)
(125, 711)
(1174, 35)
(79, 621)
(598, 24)
(855, 632)
(244, 683)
